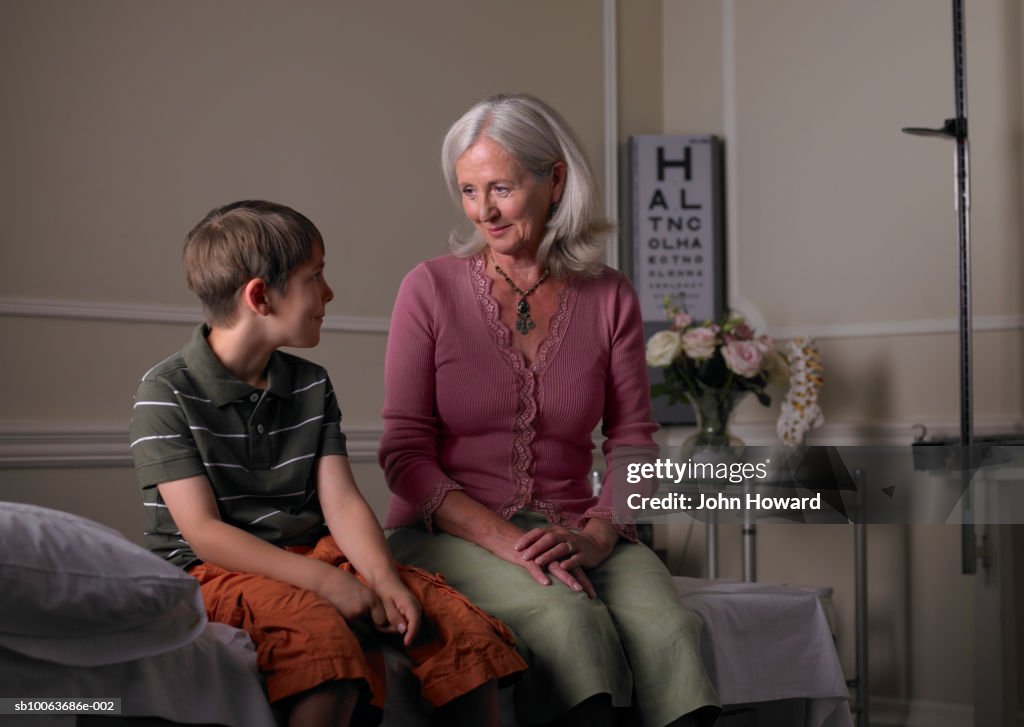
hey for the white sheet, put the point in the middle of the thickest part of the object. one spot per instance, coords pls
(212, 679)
(765, 642)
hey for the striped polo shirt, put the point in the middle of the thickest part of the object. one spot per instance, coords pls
(258, 447)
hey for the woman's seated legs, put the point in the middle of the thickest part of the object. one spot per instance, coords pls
(661, 638)
(643, 643)
(569, 640)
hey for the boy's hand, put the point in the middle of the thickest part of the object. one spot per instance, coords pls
(402, 608)
(353, 599)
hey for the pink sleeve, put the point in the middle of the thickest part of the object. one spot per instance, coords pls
(627, 424)
(408, 447)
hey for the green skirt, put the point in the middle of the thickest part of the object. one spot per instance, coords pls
(635, 642)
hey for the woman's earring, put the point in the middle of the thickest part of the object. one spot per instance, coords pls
(552, 209)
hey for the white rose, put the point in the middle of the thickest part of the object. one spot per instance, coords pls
(743, 357)
(700, 343)
(663, 347)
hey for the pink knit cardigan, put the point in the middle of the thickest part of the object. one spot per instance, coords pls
(462, 410)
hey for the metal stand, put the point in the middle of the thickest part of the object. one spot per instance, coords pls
(860, 682)
(711, 546)
(995, 663)
(749, 541)
(956, 129)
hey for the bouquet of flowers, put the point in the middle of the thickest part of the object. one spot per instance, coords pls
(726, 358)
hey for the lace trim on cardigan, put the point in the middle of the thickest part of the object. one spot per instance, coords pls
(527, 377)
(427, 509)
(551, 511)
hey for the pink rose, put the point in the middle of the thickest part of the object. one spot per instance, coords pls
(700, 343)
(743, 357)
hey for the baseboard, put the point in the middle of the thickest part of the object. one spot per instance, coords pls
(919, 713)
(922, 713)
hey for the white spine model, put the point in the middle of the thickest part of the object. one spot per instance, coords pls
(800, 411)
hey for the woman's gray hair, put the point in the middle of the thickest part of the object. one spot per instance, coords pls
(537, 137)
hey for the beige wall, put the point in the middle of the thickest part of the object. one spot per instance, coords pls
(124, 122)
(127, 121)
(842, 227)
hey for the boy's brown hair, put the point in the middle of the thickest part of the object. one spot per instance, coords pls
(238, 242)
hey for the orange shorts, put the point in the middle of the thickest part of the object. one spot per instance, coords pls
(302, 641)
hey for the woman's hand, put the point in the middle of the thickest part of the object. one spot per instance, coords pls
(507, 549)
(573, 551)
(463, 517)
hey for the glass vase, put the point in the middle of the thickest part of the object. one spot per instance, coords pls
(713, 443)
(713, 409)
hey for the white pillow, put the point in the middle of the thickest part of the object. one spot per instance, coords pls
(75, 592)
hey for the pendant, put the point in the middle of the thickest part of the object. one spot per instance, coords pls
(524, 323)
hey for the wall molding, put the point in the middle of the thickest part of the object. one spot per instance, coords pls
(142, 313)
(883, 329)
(108, 312)
(35, 446)
(74, 447)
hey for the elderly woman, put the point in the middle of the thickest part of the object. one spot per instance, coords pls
(502, 359)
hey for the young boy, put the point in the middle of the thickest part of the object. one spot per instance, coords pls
(243, 470)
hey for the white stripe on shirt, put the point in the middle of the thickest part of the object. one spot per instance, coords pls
(304, 388)
(194, 398)
(264, 517)
(224, 464)
(300, 424)
(156, 436)
(293, 459)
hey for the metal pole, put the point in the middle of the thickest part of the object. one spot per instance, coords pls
(711, 544)
(749, 541)
(963, 208)
(860, 682)
(860, 557)
(956, 129)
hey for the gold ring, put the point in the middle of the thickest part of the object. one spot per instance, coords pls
(569, 546)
